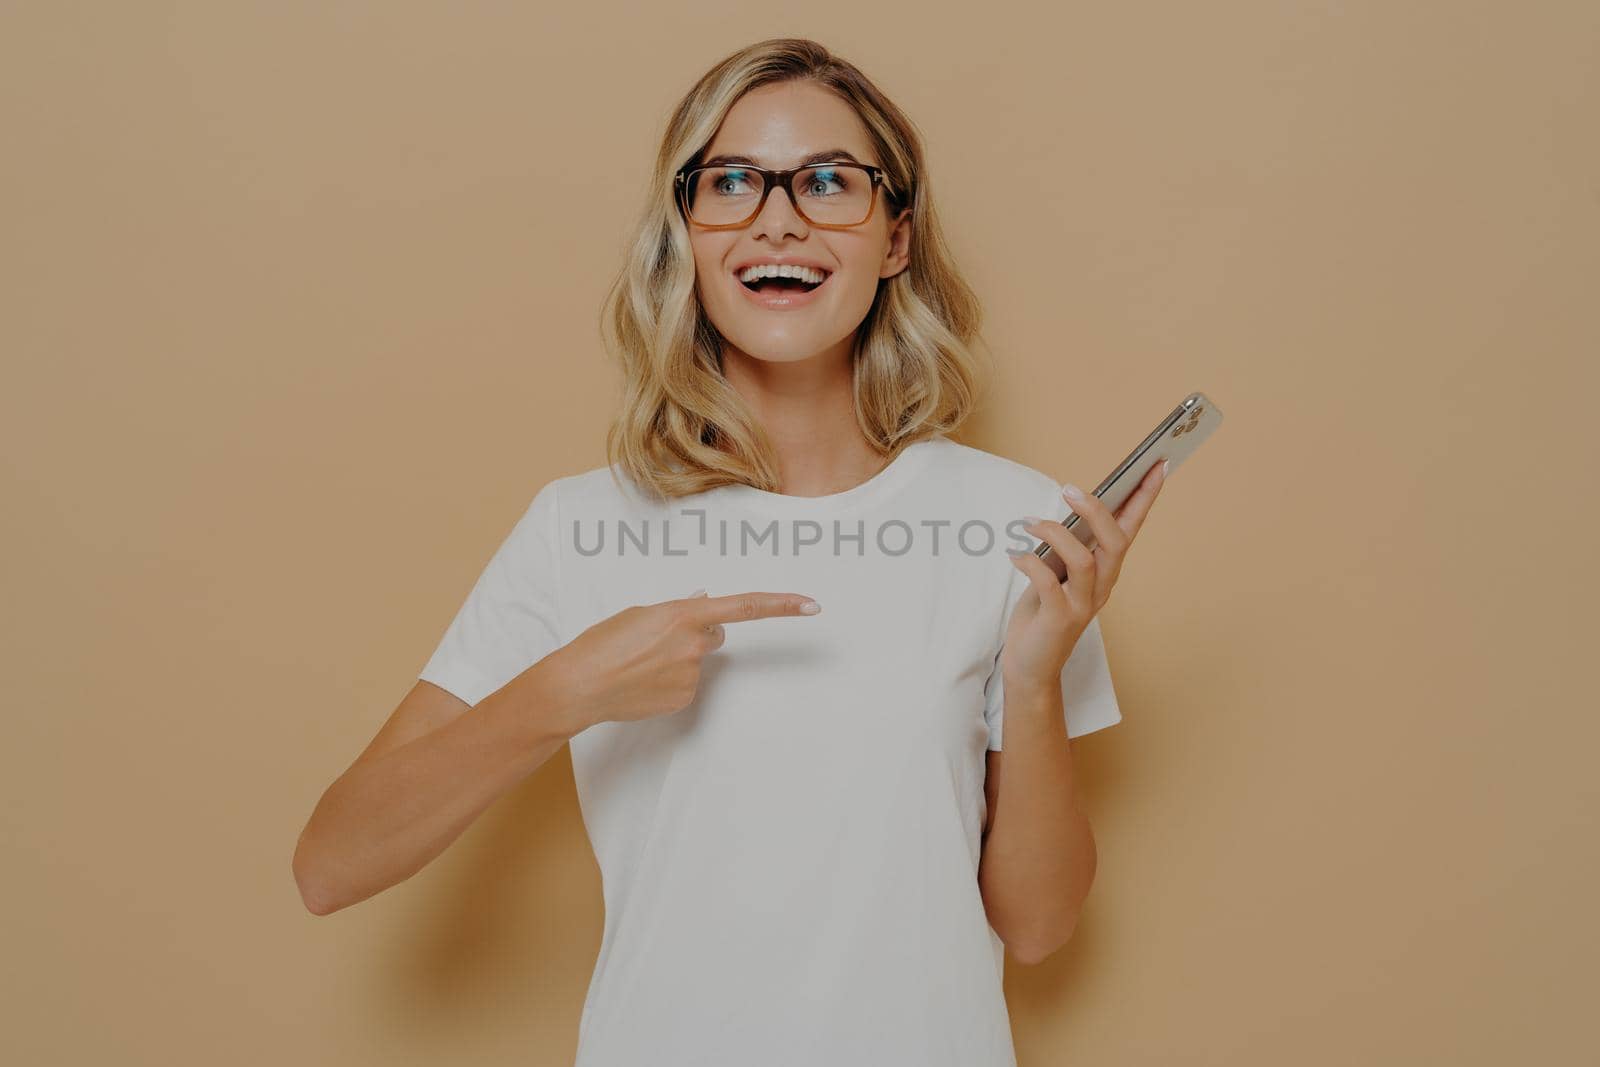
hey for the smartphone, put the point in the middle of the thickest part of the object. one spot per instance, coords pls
(1174, 439)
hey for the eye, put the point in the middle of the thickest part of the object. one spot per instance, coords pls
(824, 177)
(735, 176)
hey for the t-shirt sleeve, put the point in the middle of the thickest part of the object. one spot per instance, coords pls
(510, 618)
(1087, 695)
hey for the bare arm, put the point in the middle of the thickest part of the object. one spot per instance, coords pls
(1038, 854)
(436, 765)
(433, 768)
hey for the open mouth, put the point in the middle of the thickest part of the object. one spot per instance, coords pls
(774, 286)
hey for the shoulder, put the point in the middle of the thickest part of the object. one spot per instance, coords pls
(590, 485)
(599, 491)
(993, 478)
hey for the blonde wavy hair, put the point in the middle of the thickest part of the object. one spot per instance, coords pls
(681, 427)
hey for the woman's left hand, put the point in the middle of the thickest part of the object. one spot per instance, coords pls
(1051, 615)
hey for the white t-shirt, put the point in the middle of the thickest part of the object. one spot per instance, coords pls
(789, 864)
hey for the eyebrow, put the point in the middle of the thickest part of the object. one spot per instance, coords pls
(825, 156)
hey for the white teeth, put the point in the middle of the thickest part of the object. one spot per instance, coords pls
(772, 270)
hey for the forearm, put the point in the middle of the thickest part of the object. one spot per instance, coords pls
(1038, 859)
(386, 818)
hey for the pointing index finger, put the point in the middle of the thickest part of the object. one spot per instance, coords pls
(743, 607)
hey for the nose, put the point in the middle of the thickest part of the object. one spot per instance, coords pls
(779, 215)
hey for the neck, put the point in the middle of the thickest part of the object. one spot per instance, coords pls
(807, 408)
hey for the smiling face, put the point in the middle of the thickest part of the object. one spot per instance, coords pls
(781, 126)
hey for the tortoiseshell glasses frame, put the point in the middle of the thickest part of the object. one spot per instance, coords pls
(772, 179)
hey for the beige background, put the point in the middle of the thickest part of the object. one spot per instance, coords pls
(301, 307)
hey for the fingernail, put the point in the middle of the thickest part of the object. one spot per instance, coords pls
(1166, 465)
(1032, 519)
(810, 607)
(1072, 492)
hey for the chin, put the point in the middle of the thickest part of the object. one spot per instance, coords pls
(784, 336)
(776, 347)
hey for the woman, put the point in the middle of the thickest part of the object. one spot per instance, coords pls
(806, 854)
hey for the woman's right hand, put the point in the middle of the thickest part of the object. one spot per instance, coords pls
(645, 660)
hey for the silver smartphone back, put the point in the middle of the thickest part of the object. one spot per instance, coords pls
(1174, 439)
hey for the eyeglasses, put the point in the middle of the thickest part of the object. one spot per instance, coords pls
(835, 196)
